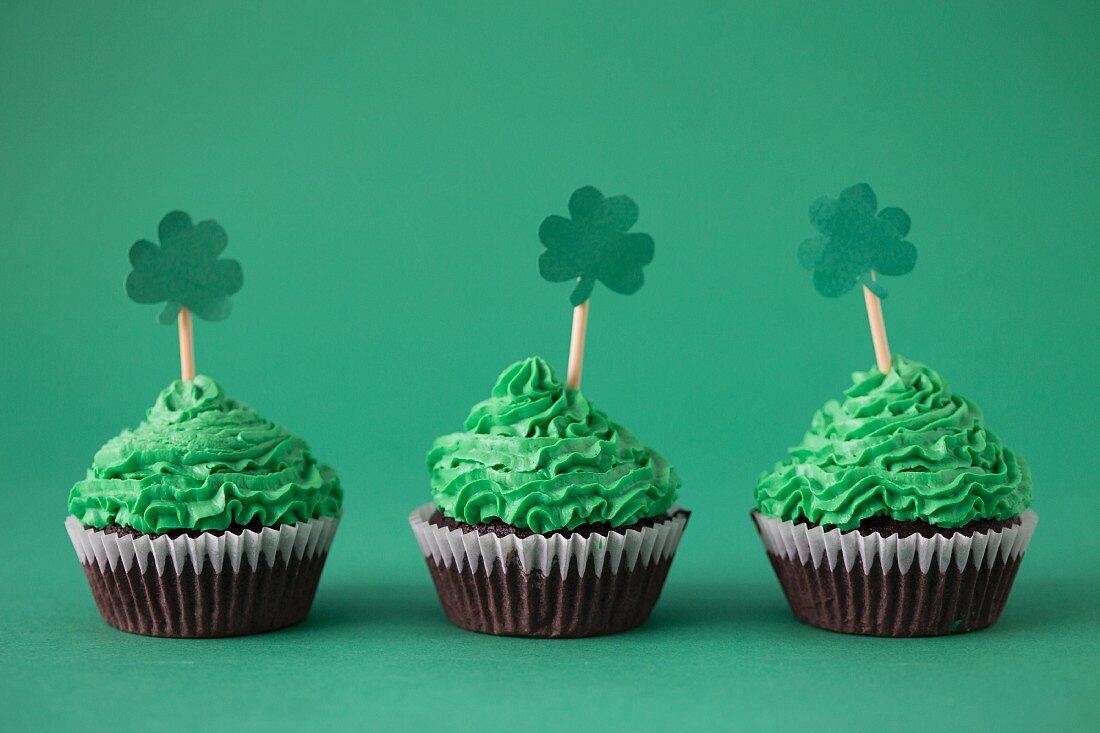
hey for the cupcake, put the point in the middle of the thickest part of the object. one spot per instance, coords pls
(899, 513)
(205, 520)
(547, 518)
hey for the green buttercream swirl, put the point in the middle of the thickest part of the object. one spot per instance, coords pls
(900, 445)
(202, 460)
(539, 456)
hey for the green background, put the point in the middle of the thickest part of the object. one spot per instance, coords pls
(382, 171)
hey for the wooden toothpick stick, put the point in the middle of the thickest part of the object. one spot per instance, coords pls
(187, 346)
(576, 344)
(878, 329)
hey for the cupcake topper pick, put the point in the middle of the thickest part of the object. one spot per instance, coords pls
(858, 242)
(185, 273)
(593, 244)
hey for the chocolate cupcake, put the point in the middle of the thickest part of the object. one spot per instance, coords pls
(548, 519)
(206, 520)
(899, 513)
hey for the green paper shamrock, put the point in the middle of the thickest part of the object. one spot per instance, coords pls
(595, 245)
(184, 269)
(854, 241)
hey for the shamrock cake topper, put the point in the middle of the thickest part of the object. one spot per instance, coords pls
(858, 242)
(186, 274)
(594, 244)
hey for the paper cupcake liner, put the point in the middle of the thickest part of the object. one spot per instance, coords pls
(893, 586)
(596, 553)
(210, 585)
(552, 586)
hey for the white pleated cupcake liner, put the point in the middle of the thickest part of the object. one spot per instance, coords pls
(597, 553)
(109, 551)
(807, 544)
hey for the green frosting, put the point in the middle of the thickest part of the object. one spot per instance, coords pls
(901, 445)
(539, 456)
(202, 460)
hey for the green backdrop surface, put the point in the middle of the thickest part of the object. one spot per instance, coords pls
(382, 170)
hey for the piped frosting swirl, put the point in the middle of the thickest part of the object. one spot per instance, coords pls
(201, 460)
(900, 445)
(538, 455)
